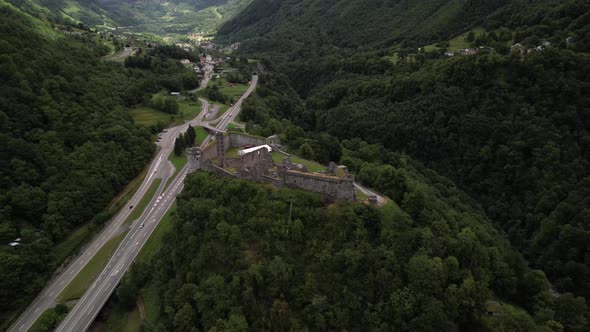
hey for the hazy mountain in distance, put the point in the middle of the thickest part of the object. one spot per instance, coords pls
(177, 17)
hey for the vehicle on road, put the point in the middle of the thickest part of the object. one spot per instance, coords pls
(141, 226)
(130, 207)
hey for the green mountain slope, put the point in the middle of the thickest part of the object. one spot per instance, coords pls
(67, 144)
(281, 260)
(160, 17)
(314, 24)
(511, 129)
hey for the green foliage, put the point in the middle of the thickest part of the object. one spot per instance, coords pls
(169, 72)
(349, 266)
(179, 146)
(170, 18)
(320, 27)
(50, 319)
(68, 145)
(520, 151)
(78, 286)
(165, 104)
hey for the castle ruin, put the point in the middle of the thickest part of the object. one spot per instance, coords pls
(255, 162)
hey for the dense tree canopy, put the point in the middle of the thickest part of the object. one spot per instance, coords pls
(510, 129)
(67, 144)
(258, 258)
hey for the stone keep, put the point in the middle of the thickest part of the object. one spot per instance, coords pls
(220, 142)
(194, 158)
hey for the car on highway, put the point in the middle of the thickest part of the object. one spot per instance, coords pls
(130, 207)
(141, 226)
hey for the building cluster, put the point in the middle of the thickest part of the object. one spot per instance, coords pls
(469, 51)
(523, 50)
(254, 162)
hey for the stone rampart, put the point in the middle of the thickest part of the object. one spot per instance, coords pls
(237, 140)
(332, 186)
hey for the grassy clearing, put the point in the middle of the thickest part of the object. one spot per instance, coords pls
(456, 43)
(189, 109)
(232, 153)
(360, 196)
(39, 325)
(84, 279)
(312, 166)
(232, 90)
(178, 162)
(154, 242)
(147, 116)
(394, 58)
(235, 128)
(145, 200)
(201, 134)
(392, 210)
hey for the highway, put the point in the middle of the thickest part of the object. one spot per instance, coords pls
(160, 167)
(232, 112)
(88, 307)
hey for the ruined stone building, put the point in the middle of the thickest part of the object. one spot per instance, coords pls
(255, 163)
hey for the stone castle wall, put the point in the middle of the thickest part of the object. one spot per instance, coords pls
(238, 140)
(254, 166)
(331, 186)
(209, 152)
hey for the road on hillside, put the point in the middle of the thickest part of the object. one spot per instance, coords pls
(124, 54)
(208, 72)
(88, 307)
(232, 112)
(161, 168)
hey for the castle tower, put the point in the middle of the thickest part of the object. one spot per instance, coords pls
(194, 158)
(220, 142)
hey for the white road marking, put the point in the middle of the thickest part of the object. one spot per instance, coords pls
(36, 309)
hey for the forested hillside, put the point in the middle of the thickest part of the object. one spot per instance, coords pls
(256, 262)
(513, 133)
(155, 16)
(511, 128)
(67, 144)
(328, 26)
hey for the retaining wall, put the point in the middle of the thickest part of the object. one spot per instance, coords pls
(342, 189)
